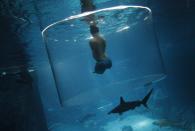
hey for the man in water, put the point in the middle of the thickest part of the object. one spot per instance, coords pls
(97, 42)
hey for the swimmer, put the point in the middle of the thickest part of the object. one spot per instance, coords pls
(97, 42)
(98, 46)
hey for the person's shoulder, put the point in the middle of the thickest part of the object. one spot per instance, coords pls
(92, 40)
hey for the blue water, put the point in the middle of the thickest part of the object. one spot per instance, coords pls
(74, 98)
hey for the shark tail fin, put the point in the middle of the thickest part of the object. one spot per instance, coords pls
(145, 100)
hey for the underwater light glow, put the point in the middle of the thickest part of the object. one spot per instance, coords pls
(104, 107)
(123, 29)
(143, 123)
(88, 38)
(55, 40)
(4, 73)
(31, 70)
(137, 122)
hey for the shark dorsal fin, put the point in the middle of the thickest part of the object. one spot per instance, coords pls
(122, 100)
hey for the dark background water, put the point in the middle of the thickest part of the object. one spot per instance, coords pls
(174, 23)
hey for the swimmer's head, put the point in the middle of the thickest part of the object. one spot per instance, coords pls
(94, 29)
(100, 67)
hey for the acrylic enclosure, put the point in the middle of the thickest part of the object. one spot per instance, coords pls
(131, 44)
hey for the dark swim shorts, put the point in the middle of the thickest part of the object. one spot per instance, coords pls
(101, 66)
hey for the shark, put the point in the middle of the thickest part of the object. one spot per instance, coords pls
(130, 105)
(173, 124)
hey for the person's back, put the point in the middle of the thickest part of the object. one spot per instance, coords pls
(98, 45)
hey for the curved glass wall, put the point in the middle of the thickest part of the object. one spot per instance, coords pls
(131, 44)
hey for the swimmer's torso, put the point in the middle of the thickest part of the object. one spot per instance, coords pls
(98, 46)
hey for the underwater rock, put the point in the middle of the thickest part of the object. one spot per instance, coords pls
(127, 128)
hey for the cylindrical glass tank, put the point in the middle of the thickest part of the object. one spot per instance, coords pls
(131, 44)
